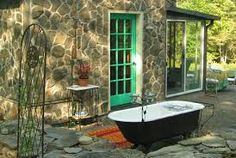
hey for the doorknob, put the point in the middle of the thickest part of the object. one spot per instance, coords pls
(134, 63)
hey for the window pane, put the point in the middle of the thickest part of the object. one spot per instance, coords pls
(128, 71)
(193, 55)
(121, 26)
(128, 86)
(120, 72)
(113, 42)
(175, 62)
(113, 26)
(120, 87)
(128, 56)
(128, 41)
(113, 88)
(120, 41)
(113, 57)
(113, 73)
(128, 26)
(120, 57)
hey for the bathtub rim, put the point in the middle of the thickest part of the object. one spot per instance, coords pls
(200, 107)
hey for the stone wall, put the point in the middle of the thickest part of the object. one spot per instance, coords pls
(10, 35)
(56, 17)
(6, 152)
(11, 27)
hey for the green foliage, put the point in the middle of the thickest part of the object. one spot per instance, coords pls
(230, 69)
(222, 35)
(217, 71)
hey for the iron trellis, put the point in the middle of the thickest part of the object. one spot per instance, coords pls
(31, 92)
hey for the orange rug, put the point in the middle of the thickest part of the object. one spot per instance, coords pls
(112, 134)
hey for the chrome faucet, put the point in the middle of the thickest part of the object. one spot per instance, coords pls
(146, 98)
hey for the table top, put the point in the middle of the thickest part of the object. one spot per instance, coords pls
(81, 88)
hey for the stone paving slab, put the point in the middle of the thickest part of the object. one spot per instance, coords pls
(63, 137)
(99, 145)
(191, 141)
(208, 140)
(72, 150)
(117, 153)
(58, 132)
(170, 149)
(58, 154)
(9, 140)
(228, 134)
(231, 144)
(214, 142)
(85, 140)
(216, 150)
(201, 155)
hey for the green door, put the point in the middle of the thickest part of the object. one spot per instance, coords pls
(122, 55)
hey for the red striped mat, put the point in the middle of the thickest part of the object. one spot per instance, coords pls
(112, 134)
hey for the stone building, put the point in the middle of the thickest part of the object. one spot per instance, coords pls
(128, 43)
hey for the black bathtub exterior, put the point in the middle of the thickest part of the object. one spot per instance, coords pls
(146, 133)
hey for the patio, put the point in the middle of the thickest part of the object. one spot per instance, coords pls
(217, 138)
(225, 108)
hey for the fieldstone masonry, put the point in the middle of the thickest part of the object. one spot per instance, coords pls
(56, 17)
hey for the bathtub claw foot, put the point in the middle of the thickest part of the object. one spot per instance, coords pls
(135, 146)
(146, 148)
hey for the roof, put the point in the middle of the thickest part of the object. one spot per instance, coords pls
(179, 13)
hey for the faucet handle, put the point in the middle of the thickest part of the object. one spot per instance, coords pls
(134, 97)
(149, 97)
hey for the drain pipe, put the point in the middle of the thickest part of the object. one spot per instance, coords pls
(206, 27)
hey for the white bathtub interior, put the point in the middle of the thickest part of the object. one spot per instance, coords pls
(155, 111)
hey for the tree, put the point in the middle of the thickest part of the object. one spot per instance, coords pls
(222, 35)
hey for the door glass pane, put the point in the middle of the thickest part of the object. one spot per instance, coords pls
(120, 72)
(128, 86)
(128, 41)
(113, 88)
(128, 56)
(128, 71)
(193, 55)
(128, 26)
(113, 42)
(113, 57)
(121, 26)
(175, 60)
(120, 87)
(113, 73)
(113, 26)
(120, 57)
(121, 41)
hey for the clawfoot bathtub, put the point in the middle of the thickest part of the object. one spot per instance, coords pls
(160, 120)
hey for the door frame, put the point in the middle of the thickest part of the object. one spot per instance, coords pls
(139, 51)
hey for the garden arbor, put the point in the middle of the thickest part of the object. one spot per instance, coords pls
(31, 92)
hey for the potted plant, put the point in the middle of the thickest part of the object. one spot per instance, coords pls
(83, 69)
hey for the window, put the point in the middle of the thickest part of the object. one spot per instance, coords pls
(184, 57)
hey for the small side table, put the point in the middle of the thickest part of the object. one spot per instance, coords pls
(78, 105)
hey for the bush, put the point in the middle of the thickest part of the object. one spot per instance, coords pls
(230, 69)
